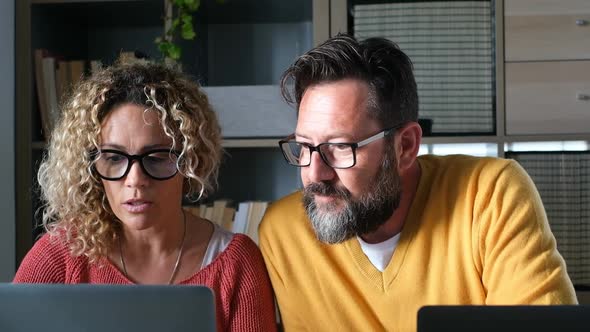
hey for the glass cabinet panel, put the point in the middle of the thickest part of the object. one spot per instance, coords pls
(563, 181)
(451, 44)
(240, 50)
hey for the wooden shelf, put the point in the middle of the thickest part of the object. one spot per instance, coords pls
(504, 139)
(227, 143)
(459, 139)
(251, 143)
(78, 1)
(273, 142)
(245, 11)
(548, 138)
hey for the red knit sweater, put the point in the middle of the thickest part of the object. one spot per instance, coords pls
(238, 277)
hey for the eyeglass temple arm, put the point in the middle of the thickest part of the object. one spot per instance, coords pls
(374, 138)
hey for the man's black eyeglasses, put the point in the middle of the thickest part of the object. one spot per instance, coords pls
(335, 155)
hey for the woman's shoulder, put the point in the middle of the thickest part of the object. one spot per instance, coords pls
(50, 246)
(46, 262)
(242, 245)
(241, 253)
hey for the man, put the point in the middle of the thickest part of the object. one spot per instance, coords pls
(377, 232)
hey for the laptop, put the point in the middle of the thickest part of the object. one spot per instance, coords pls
(102, 308)
(559, 318)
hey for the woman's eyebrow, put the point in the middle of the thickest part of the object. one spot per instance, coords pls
(144, 148)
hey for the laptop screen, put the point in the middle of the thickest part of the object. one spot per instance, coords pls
(566, 318)
(101, 308)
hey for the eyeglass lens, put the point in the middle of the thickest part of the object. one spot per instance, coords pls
(115, 165)
(334, 154)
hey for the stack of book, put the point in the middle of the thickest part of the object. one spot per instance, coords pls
(245, 219)
(54, 78)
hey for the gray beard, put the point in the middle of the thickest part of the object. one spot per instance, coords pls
(357, 216)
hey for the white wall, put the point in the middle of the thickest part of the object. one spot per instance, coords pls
(7, 107)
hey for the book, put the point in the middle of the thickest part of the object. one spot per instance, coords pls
(218, 210)
(209, 213)
(227, 220)
(52, 107)
(202, 210)
(256, 213)
(194, 210)
(76, 71)
(241, 218)
(62, 80)
(39, 54)
(127, 57)
(95, 66)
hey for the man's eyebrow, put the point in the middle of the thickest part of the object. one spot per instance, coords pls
(296, 134)
(342, 136)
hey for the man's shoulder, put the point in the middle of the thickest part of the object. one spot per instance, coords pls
(462, 159)
(291, 199)
(287, 205)
(285, 214)
(465, 164)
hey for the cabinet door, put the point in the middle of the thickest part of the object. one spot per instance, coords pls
(547, 29)
(451, 44)
(548, 97)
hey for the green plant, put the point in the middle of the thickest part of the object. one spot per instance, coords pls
(178, 19)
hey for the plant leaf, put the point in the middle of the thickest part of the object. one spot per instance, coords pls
(187, 31)
(183, 19)
(192, 5)
(175, 23)
(164, 48)
(187, 19)
(174, 52)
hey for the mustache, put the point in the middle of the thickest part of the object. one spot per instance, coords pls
(326, 189)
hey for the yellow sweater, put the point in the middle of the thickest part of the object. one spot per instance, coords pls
(476, 233)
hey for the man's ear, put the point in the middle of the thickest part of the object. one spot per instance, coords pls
(407, 145)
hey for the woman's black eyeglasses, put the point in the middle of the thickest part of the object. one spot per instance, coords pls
(159, 164)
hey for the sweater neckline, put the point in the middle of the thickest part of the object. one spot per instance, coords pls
(383, 280)
(234, 241)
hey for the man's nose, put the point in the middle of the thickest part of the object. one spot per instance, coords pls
(318, 170)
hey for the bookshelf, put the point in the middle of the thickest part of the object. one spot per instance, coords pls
(266, 35)
(242, 47)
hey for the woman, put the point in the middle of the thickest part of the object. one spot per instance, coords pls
(132, 140)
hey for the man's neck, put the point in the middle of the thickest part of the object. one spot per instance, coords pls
(395, 223)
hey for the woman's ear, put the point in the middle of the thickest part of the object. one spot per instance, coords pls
(407, 145)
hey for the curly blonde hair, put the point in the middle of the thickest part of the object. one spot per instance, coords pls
(76, 209)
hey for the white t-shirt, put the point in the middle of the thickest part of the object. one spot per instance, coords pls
(380, 253)
(217, 244)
